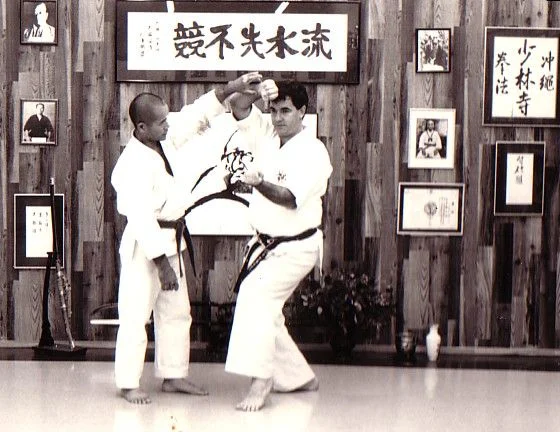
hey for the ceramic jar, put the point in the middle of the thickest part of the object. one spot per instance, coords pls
(433, 341)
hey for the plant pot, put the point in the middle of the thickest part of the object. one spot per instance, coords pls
(405, 344)
(342, 341)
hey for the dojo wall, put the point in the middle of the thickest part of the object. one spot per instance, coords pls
(454, 281)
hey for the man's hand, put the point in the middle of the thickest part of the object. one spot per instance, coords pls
(268, 90)
(251, 177)
(166, 274)
(247, 83)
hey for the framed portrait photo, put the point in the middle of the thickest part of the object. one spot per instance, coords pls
(33, 233)
(431, 138)
(39, 22)
(39, 121)
(519, 178)
(433, 50)
(430, 209)
(521, 67)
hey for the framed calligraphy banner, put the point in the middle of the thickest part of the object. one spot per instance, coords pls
(430, 209)
(521, 77)
(519, 178)
(217, 41)
(33, 229)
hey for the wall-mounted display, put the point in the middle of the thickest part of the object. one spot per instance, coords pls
(33, 234)
(521, 77)
(431, 138)
(38, 121)
(519, 178)
(430, 209)
(38, 22)
(433, 50)
(211, 41)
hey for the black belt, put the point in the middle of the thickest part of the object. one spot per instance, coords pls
(181, 230)
(268, 243)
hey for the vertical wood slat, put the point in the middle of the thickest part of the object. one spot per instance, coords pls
(416, 281)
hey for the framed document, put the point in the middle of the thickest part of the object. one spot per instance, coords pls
(316, 42)
(519, 178)
(521, 77)
(33, 237)
(430, 209)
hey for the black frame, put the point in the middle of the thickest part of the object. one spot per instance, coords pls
(51, 113)
(419, 63)
(21, 202)
(427, 231)
(491, 33)
(350, 8)
(27, 11)
(536, 207)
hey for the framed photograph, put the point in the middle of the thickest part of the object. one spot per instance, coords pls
(431, 138)
(430, 209)
(521, 68)
(39, 22)
(38, 121)
(33, 234)
(209, 41)
(519, 178)
(433, 50)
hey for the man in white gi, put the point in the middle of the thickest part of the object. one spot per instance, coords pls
(150, 189)
(291, 172)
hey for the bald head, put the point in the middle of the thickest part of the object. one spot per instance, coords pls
(143, 108)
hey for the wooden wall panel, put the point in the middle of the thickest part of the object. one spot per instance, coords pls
(456, 281)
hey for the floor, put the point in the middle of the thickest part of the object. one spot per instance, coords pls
(457, 393)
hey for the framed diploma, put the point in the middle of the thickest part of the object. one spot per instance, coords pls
(33, 237)
(430, 209)
(519, 178)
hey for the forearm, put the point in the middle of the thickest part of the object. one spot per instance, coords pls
(241, 105)
(277, 194)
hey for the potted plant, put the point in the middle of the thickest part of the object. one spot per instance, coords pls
(349, 305)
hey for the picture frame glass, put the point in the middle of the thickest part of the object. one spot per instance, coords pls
(431, 138)
(519, 178)
(521, 77)
(39, 22)
(433, 50)
(39, 121)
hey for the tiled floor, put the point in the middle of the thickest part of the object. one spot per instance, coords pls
(383, 396)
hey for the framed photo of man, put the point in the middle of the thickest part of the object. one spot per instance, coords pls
(433, 50)
(431, 138)
(39, 22)
(38, 121)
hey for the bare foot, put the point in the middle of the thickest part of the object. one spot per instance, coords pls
(182, 385)
(136, 396)
(256, 397)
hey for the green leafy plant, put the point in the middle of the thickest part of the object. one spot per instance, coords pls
(348, 304)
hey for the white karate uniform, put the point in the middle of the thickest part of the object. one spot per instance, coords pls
(260, 345)
(146, 193)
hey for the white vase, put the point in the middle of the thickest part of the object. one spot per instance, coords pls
(433, 341)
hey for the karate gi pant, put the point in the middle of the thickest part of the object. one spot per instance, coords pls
(260, 345)
(140, 293)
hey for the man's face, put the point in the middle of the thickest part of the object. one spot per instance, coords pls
(41, 14)
(40, 109)
(430, 125)
(286, 118)
(156, 127)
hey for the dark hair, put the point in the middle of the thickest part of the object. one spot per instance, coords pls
(293, 90)
(139, 107)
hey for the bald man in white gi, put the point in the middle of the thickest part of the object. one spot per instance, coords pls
(291, 172)
(151, 188)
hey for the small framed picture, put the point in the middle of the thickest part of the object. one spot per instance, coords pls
(521, 67)
(431, 138)
(33, 233)
(38, 121)
(39, 22)
(430, 209)
(519, 178)
(433, 50)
